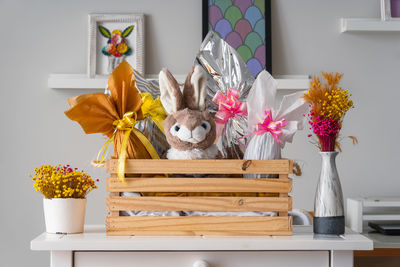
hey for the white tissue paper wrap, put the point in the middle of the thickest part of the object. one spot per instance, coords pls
(292, 108)
(145, 213)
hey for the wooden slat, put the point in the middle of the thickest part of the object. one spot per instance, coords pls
(284, 195)
(151, 225)
(199, 185)
(161, 166)
(199, 203)
(285, 213)
(226, 232)
(113, 212)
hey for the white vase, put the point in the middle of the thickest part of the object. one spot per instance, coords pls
(64, 215)
(113, 62)
(328, 203)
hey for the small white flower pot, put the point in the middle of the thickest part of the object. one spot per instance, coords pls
(64, 215)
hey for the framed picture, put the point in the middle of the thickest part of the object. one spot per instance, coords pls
(390, 9)
(114, 38)
(245, 25)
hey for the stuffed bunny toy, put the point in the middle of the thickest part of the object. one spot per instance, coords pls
(190, 129)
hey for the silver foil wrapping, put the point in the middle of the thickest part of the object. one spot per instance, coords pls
(147, 126)
(225, 69)
(145, 85)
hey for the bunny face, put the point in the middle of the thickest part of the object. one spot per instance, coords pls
(188, 125)
(189, 129)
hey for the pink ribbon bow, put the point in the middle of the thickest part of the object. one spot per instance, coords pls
(229, 106)
(268, 125)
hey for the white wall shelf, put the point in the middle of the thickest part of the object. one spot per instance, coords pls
(362, 210)
(369, 25)
(81, 81)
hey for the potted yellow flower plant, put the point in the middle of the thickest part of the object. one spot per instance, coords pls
(64, 190)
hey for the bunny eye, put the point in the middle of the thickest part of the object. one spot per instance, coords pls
(174, 129)
(205, 125)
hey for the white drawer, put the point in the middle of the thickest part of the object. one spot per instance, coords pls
(213, 259)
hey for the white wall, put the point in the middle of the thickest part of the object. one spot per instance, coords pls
(43, 37)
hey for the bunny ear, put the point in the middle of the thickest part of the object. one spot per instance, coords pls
(171, 96)
(195, 90)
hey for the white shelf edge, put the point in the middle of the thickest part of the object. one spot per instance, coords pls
(382, 204)
(379, 201)
(81, 81)
(76, 81)
(368, 25)
(381, 217)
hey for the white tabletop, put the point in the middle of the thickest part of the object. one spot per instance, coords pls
(94, 238)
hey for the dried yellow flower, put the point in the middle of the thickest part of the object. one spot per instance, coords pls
(62, 182)
(328, 100)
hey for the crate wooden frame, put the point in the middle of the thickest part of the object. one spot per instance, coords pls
(199, 225)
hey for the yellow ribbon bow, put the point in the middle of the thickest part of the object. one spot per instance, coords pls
(127, 124)
(150, 108)
(154, 109)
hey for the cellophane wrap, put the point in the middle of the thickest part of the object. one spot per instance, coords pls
(225, 70)
(262, 97)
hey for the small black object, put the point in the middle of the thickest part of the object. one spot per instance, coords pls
(386, 228)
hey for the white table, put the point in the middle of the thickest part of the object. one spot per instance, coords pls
(94, 248)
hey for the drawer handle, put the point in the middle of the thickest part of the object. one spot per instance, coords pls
(201, 263)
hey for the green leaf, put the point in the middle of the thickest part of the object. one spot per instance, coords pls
(106, 33)
(104, 51)
(127, 31)
(128, 52)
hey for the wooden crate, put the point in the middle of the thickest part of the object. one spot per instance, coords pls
(199, 225)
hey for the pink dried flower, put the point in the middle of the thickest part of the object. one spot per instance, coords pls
(116, 39)
(326, 130)
(325, 126)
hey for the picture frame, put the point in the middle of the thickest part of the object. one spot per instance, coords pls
(390, 8)
(106, 50)
(242, 24)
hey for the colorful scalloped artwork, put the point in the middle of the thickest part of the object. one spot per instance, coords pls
(241, 23)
